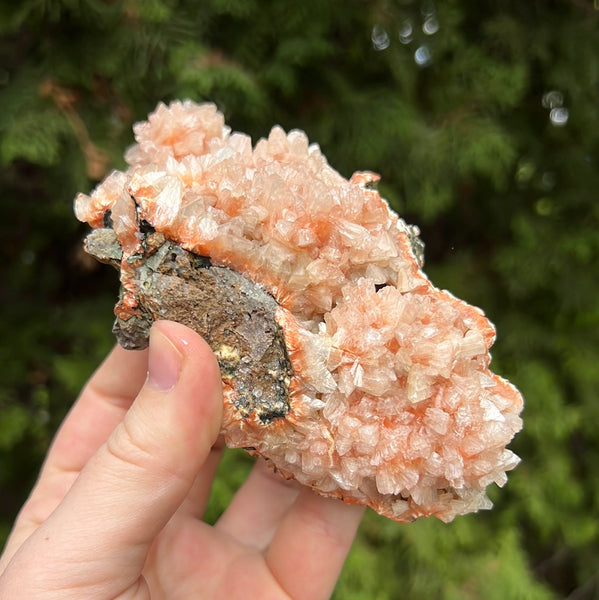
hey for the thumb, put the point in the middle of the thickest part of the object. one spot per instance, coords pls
(100, 535)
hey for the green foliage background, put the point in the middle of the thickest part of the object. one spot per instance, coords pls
(506, 199)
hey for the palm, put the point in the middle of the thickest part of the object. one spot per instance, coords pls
(270, 524)
(190, 560)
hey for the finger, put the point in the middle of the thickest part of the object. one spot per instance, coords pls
(309, 549)
(100, 534)
(254, 514)
(195, 504)
(100, 407)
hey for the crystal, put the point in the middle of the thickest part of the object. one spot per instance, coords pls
(342, 365)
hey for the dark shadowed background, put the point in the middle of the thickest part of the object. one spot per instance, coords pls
(483, 120)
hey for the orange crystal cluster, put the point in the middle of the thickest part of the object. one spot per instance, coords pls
(393, 404)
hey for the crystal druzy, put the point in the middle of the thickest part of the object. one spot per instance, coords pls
(342, 365)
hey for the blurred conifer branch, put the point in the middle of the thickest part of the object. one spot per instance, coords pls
(483, 123)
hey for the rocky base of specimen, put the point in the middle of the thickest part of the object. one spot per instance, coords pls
(234, 315)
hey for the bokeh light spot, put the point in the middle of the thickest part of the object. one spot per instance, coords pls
(430, 25)
(553, 99)
(405, 32)
(380, 38)
(559, 116)
(423, 56)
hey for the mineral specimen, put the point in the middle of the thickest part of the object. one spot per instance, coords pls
(342, 365)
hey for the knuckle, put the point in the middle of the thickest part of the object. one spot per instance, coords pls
(130, 448)
(136, 451)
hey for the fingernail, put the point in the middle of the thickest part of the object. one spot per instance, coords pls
(164, 361)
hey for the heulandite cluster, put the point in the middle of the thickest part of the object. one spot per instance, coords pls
(342, 365)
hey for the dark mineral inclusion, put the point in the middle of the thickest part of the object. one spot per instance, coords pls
(233, 314)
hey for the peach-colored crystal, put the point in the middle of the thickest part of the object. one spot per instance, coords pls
(393, 403)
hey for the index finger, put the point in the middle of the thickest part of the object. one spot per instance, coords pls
(102, 404)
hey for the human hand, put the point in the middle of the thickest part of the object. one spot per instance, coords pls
(116, 512)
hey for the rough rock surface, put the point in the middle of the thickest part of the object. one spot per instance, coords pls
(342, 364)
